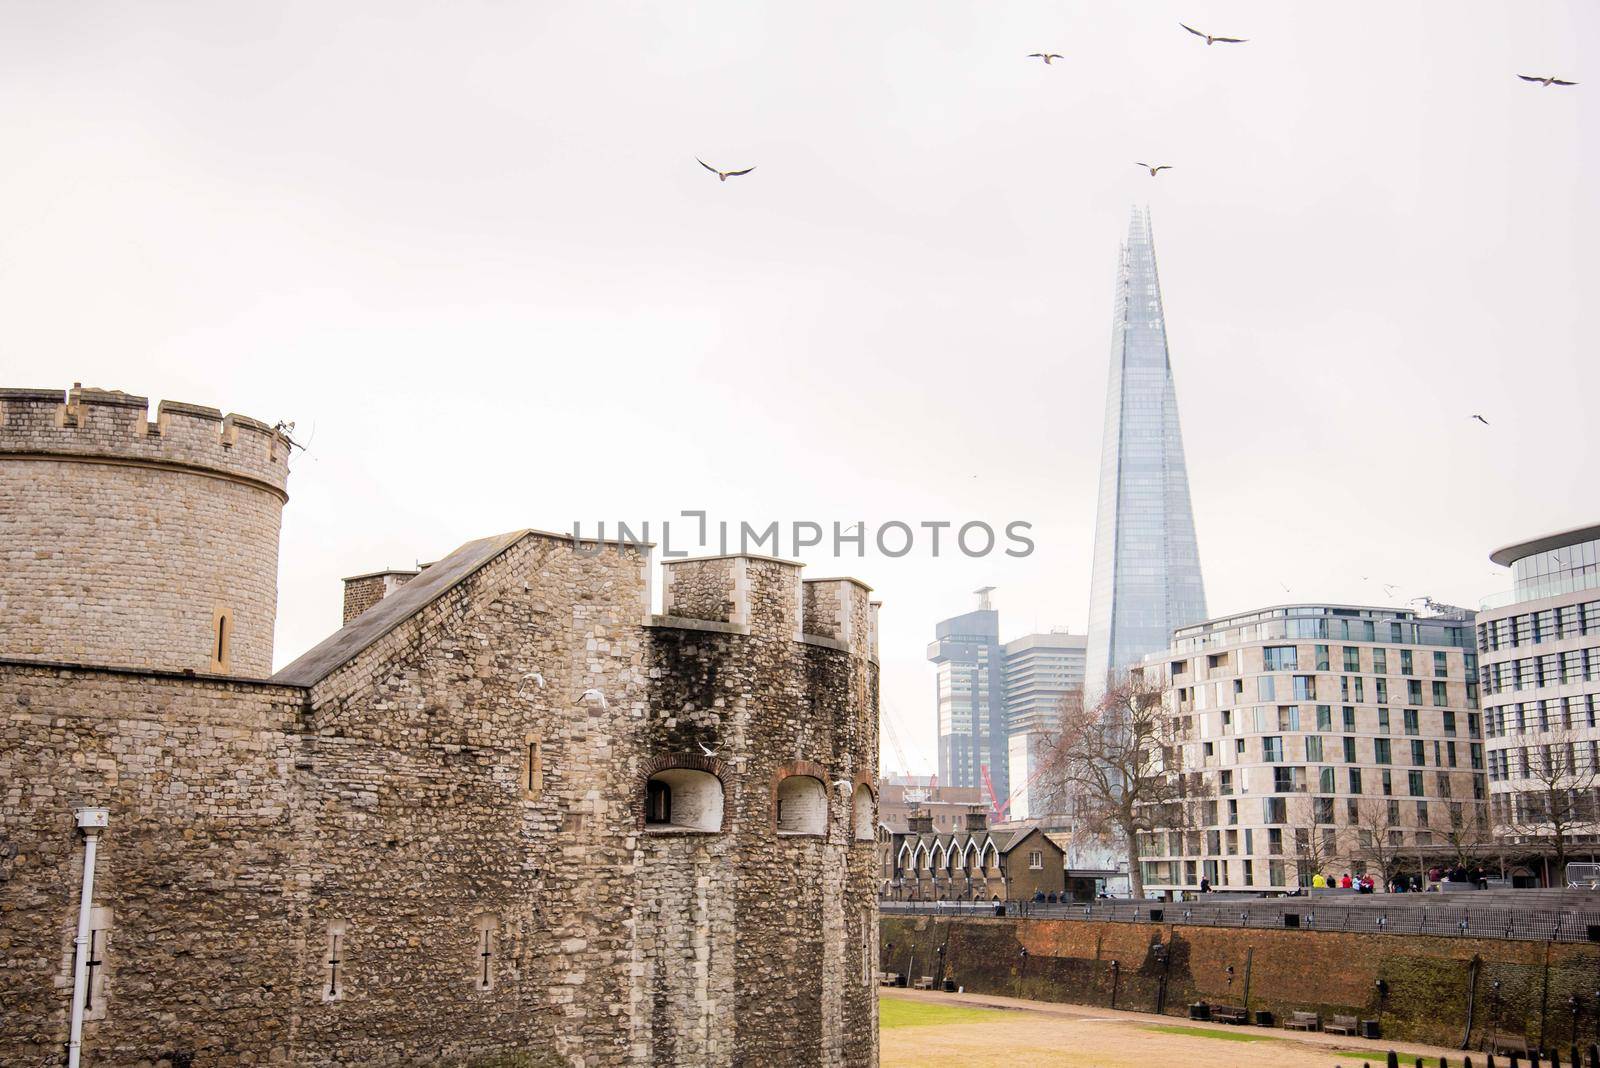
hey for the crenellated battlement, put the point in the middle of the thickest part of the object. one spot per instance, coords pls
(766, 596)
(97, 424)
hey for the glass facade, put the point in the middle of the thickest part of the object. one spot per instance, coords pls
(1146, 562)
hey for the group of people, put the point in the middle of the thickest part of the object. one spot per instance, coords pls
(1361, 884)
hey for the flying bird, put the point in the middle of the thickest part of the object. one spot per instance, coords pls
(722, 176)
(534, 677)
(1388, 590)
(1210, 40)
(1046, 56)
(1152, 170)
(1480, 418)
(1545, 81)
(708, 752)
(597, 695)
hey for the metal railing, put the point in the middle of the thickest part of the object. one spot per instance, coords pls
(1522, 915)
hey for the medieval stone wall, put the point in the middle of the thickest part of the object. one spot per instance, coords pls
(135, 543)
(427, 857)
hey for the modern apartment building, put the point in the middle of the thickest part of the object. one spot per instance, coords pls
(1041, 672)
(970, 698)
(1539, 648)
(1319, 737)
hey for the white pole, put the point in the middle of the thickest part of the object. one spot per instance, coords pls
(90, 821)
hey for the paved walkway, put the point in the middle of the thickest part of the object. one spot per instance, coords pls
(1055, 1035)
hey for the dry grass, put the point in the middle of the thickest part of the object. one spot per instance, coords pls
(933, 1031)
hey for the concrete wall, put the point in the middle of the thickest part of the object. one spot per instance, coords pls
(1309, 971)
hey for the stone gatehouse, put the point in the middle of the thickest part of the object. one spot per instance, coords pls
(506, 815)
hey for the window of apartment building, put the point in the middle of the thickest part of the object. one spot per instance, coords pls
(1275, 810)
(1355, 781)
(1450, 724)
(1266, 688)
(1259, 715)
(1272, 749)
(1412, 726)
(1405, 662)
(1440, 664)
(1238, 688)
(1238, 746)
(1227, 720)
(1275, 872)
(1249, 840)
(1232, 842)
(1441, 694)
(1314, 748)
(1361, 690)
(1349, 720)
(1279, 658)
(1225, 783)
(1413, 691)
(1450, 753)
(1322, 658)
(1388, 782)
(1288, 717)
(1414, 783)
(1383, 721)
(1349, 750)
(1213, 843)
(1305, 687)
(1283, 780)
(1324, 718)
(1249, 873)
(1381, 688)
(1380, 751)
(1422, 816)
(1442, 781)
(1352, 658)
(1233, 811)
(1274, 840)
(1380, 661)
(1325, 782)
(1419, 753)
(1208, 749)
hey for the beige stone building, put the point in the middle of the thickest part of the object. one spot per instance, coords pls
(1319, 737)
(505, 815)
(1540, 649)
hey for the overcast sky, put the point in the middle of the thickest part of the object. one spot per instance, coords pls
(468, 250)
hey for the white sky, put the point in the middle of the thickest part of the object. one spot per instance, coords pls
(468, 247)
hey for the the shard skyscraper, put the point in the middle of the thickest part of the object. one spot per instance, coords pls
(1146, 563)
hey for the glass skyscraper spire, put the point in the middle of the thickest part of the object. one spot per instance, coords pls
(1146, 563)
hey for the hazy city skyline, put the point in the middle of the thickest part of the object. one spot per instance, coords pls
(471, 254)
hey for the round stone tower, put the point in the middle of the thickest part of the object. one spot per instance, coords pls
(131, 543)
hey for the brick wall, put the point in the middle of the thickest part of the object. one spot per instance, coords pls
(1310, 971)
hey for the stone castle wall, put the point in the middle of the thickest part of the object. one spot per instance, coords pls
(129, 542)
(476, 841)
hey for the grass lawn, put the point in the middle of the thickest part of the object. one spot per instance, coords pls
(1367, 1056)
(893, 1012)
(1206, 1032)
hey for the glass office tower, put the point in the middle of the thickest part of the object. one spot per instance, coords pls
(1146, 563)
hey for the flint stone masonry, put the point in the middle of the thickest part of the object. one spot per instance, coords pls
(124, 540)
(376, 787)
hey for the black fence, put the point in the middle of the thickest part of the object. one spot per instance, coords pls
(1523, 915)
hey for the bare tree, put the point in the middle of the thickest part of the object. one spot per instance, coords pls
(1317, 848)
(1380, 838)
(1556, 800)
(1468, 837)
(1120, 763)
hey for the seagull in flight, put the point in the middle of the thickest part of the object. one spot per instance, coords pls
(1046, 56)
(1480, 418)
(722, 176)
(1545, 81)
(1152, 169)
(534, 677)
(712, 753)
(597, 695)
(1388, 590)
(1210, 40)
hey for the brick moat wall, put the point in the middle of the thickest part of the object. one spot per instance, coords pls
(1431, 980)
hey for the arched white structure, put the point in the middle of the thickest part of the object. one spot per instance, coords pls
(683, 799)
(802, 805)
(862, 813)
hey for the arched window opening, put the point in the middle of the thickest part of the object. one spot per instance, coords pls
(865, 824)
(683, 799)
(802, 805)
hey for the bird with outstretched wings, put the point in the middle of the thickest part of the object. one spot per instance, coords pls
(1046, 56)
(722, 176)
(1155, 169)
(1212, 39)
(1545, 81)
